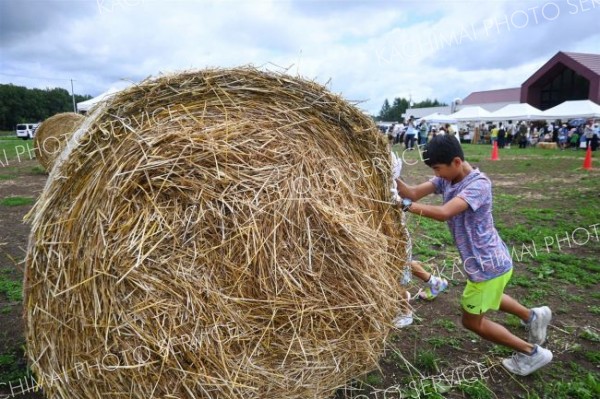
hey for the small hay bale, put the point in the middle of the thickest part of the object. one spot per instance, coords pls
(52, 135)
(547, 146)
(215, 234)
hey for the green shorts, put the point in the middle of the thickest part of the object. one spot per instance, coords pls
(478, 298)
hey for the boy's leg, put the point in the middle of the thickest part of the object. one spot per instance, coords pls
(528, 358)
(510, 305)
(436, 284)
(494, 332)
(418, 271)
(477, 299)
(536, 320)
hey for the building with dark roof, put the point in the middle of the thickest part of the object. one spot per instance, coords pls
(507, 96)
(566, 76)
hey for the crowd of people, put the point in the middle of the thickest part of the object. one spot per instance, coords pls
(415, 132)
(524, 134)
(527, 134)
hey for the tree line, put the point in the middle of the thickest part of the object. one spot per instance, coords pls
(19, 104)
(400, 105)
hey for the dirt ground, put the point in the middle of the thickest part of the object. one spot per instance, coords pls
(14, 235)
(455, 349)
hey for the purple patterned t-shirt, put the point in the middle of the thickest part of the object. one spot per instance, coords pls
(483, 252)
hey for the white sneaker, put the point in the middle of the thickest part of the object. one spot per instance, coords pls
(522, 364)
(402, 321)
(539, 325)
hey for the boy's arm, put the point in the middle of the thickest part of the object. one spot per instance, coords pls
(415, 193)
(441, 213)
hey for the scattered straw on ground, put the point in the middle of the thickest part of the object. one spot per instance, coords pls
(52, 135)
(216, 234)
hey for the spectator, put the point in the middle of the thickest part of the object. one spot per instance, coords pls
(398, 132)
(390, 133)
(522, 135)
(423, 132)
(494, 134)
(411, 132)
(574, 139)
(563, 133)
(582, 139)
(510, 134)
(588, 132)
(501, 136)
(555, 131)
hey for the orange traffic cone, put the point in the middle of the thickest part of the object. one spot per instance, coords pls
(587, 162)
(495, 152)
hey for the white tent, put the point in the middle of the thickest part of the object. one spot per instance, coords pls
(438, 118)
(472, 114)
(519, 112)
(573, 109)
(85, 106)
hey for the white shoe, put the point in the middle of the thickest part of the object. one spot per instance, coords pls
(522, 364)
(539, 325)
(402, 321)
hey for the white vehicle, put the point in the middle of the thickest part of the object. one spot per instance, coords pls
(26, 130)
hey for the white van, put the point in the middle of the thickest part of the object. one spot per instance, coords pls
(26, 130)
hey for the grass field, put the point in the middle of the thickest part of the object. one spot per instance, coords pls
(14, 149)
(546, 208)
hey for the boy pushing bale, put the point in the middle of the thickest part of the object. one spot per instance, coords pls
(217, 234)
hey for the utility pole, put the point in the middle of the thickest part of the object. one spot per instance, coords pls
(73, 97)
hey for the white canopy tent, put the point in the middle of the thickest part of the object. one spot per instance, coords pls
(472, 114)
(518, 112)
(85, 106)
(573, 109)
(438, 118)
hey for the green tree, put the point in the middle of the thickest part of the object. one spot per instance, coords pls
(399, 108)
(395, 111)
(19, 104)
(429, 103)
(385, 111)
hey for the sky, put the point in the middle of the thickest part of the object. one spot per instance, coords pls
(366, 51)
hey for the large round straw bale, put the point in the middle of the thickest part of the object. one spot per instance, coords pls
(216, 234)
(52, 135)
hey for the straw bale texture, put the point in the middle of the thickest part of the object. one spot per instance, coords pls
(52, 135)
(215, 234)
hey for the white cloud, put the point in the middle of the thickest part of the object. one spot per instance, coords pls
(371, 50)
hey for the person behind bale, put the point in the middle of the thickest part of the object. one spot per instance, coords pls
(467, 207)
(435, 285)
